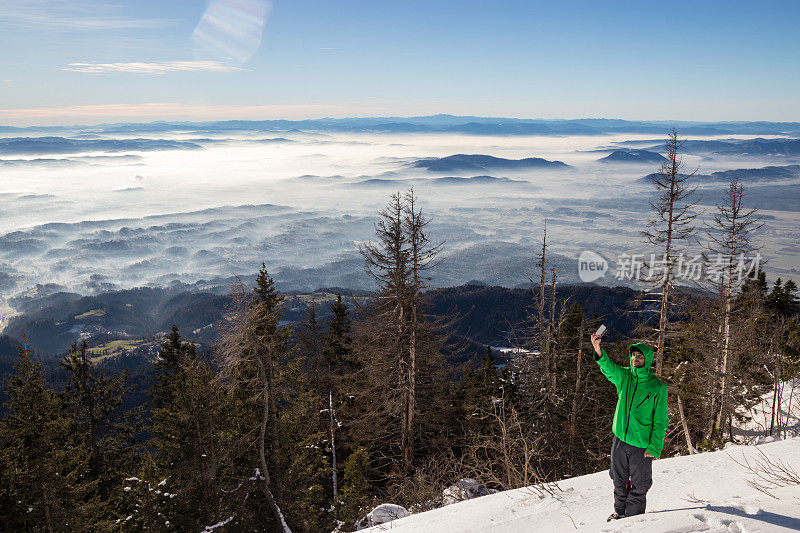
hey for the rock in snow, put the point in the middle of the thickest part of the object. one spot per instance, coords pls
(385, 512)
(465, 489)
(703, 492)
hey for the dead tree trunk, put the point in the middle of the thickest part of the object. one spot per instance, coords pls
(333, 424)
(551, 335)
(265, 486)
(544, 348)
(729, 237)
(573, 415)
(685, 426)
(671, 225)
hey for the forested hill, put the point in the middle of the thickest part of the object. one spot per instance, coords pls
(486, 315)
(125, 329)
(491, 315)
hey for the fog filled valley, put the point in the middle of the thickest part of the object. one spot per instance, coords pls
(91, 209)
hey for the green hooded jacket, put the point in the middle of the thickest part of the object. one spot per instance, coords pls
(641, 416)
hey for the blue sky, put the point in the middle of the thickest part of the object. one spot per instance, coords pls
(97, 61)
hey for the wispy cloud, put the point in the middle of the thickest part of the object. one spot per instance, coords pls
(72, 15)
(159, 67)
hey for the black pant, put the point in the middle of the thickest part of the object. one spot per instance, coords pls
(632, 473)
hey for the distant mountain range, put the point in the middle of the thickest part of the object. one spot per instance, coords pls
(441, 123)
(632, 156)
(478, 162)
(62, 145)
(743, 174)
(751, 147)
(40, 162)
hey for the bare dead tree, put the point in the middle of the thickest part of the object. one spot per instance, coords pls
(509, 454)
(422, 254)
(680, 374)
(538, 336)
(400, 331)
(552, 332)
(730, 237)
(670, 227)
(387, 261)
(577, 393)
(540, 328)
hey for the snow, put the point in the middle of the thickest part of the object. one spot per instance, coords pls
(756, 428)
(256, 476)
(465, 489)
(385, 513)
(223, 523)
(703, 492)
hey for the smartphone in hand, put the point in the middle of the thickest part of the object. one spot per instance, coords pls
(600, 330)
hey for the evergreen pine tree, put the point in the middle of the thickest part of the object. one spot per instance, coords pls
(49, 486)
(782, 299)
(355, 487)
(401, 399)
(338, 351)
(305, 469)
(310, 343)
(194, 437)
(478, 388)
(172, 352)
(93, 402)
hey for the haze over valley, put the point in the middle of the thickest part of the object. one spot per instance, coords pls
(95, 208)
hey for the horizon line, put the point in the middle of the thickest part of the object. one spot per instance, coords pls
(280, 112)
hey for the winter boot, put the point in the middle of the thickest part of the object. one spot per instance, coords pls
(614, 516)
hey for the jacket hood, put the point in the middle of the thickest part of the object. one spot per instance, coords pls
(648, 358)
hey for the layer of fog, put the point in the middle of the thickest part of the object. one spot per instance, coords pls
(175, 215)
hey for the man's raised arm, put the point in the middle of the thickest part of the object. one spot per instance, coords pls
(609, 368)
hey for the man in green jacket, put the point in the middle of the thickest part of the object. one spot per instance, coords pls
(639, 427)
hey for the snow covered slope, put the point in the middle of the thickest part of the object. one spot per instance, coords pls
(761, 417)
(703, 492)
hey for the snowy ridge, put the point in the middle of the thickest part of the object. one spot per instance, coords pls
(703, 492)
